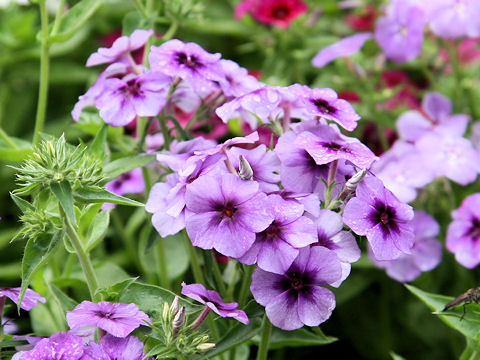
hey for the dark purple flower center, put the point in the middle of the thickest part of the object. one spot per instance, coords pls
(323, 106)
(325, 241)
(190, 61)
(280, 12)
(474, 230)
(132, 88)
(296, 283)
(335, 147)
(103, 314)
(227, 210)
(385, 216)
(273, 231)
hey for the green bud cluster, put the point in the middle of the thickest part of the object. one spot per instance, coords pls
(184, 9)
(36, 223)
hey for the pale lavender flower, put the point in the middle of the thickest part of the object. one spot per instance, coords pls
(225, 213)
(89, 98)
(9, 326)
(187, 61)
(276, 247)
(400, 32)
(130, 182)
(59, 346)
(331, 145)
(462, 13)
(297, 297)
(450, 156)
(310, 202)
(213, 301)
(463, 233)
(412, 125)
(236, 81)
(111, 347)
(30, 299)
(377, 214)
(120, 48)
(332, 236)
(426, 252)
(344, 47)
(124, 99)
(117, 319)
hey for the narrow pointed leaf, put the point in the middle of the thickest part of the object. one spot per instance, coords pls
(120, 166)
(100, 195)
(22, 204)
(63, 193)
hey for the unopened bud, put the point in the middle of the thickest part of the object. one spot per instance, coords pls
(175, 305)
(165, 312)
(205, 346)
(200, 340)
(179, 321)
(244, 169)
(352, 183)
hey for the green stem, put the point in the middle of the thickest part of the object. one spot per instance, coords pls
(218, 275)
(197, 271)
(265, 340)
(162, 264)
(245, 288)
(130, 245)
(171, 31)
(83, 257)
(44, 70)
(58, 17)
(141, 8)
(7, 139)
(233, 281)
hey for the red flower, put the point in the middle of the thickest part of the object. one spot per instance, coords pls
(272, 12)
(363, 21)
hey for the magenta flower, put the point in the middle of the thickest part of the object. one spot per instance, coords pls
(120, 48)
(272, 12)
(214, 302)
(463, 233)
(124, 99)
(59, 346)
(344, 47)
(377, 214)
(30, 299)
(277, 246)
(117, 319)
(400, 32)
(425, 255)
(297, 297)
(187, 61)
(462, 13)
(225, 213)
(111, 347)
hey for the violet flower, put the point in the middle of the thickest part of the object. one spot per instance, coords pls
(187, 61)
(120, 48)
(297, 297)
(462, 13)
(111, 347)
(236, 81)
(30, 299)
(276, 247)
(117, 319)
(59, 346)
(225, 213)
(377, 214)
(130, 182)
(426, 252)
(214, 302)
(463, 233)
(344, 47)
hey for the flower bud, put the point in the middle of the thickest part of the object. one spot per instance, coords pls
(165, 312)
(175, 306)
(205, 346)
(352, 183)
(179, 321)
(244, 169)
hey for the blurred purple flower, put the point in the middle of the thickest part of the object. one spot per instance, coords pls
(117, 319)
(297, 297)
(276, 247)
(128, 183)
(344, 47)
(213, 301)
(463, 233)
(111, 347)
(400, 32)
(59, 346)
(225, 213)
(377, 214)
(462, 13)
(120, 48)
(425, 255)
(30, 299)
(187, 61)
(236, 81)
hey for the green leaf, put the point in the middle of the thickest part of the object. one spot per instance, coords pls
(86, 218)
(302, 337)
(63, 193)
(469, 326)
(75, 19)
(112, 292)
(100, 195)
(35, 255)
(18, 151)
(98, 229)
(65, 301)
(97, 147)
(22, 204)
(120, 166)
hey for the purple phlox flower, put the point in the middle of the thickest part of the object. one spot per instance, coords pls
(154, 142)
(134, 95)
(30, 299)
(277, 246)
(236, 81)
(426, 251)
(120, 48)
(31, 340)
(403, 171)
(222, 148)
(265, 165)
(111, 347)
(187, 61)
(257, 105)
(330, 145)
(412, 125)
(400, 32)
(377, 214)
(331, 235)
(450, 156)
(9, 326)
(225, 213)
(344, 47)
(310, 202)
(463, 233)
(187, 99)
(117, 319)
(299, 172)
(325, 103)
(297, 297)
(213, 300)
(130, 182)
(88, 99)
(462, 13)
(59, 346)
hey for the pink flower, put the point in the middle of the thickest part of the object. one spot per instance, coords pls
(272, 12)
